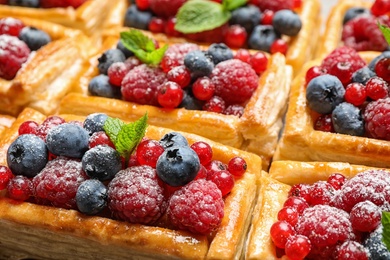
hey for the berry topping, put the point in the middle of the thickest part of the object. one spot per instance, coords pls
(356, 94)
(354, 12)
(224, 181)
(343, 54)
(377, 120)
(274, 5)
(204, 152)
(347, 119)
(165, 8)
(5, 176)
(377, 88)
(108, 58)
(136, 18)
(28, 127)
(219, 52)
(297, 247)
(94, 122)
(34, 38)
(247, 16)
(199, 63)
(215, 104)
(170, 95)
(280, 231)
(262, 37)
(101, 86)
(203, 88)
(365, 216)
(173, 139)
(352, 250)
(148, 152)
(197, 207)
(237, 166)
(20, 188)
(174, 55)
(91, 197)
(375, 245)
(48, 124)
(287, 22)
(11, 26)
(117, 71)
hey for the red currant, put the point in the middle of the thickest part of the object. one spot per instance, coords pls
(116, 72)
(365, 216)
(297, 4)
(288, 214)
(355, 93)
(11, 26)
(259, 62)
(100, 138)
(5, 176)
(28, 127)
(215, 166)
(224, 181)
(214, 104)
(377, 88)
(235, 36)
(382, 69)
(313, 72)
(133, 161)
(337, 180)
(181, 75)
(203, 88)
(156, 25)
(170, 28)
(243, 55)
(170, 95)
(324, 123)
(279, 45)
(280, 231)
(148, 152)
(297, 247)
(204, 152)
(268, 16)
(237, 166)
(298, 203)
(142, 5)
(20, 188)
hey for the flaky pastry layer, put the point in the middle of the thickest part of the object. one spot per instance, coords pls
(24, 227)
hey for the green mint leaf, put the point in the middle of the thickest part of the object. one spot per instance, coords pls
(126, 137)
(200, 15)
(386, 32)
(142, 46)
(233, 4)
(386, 229)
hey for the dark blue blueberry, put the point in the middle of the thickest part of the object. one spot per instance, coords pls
(178, 165)
(137, 19)
(68, 140)
(173, 139)
(375, 245)
(27, 155)
(287, 22)
(354, 12)
(101, 87)
(262, 37)
(95, 122)
(324, 93)
(109, 57)
(385, 54)
(91, 197)
(34, 38)
(128, 53)
(25, 3)
(247, 16)
(189, 102)
(363, 75)
(219, 52)
(102, 162)
(199, 63)
(347, 119)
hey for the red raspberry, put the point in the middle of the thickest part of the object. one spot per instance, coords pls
(197, 207)
(352, 250)
(58, 182)
(363, 34)
(174, 56)
(343, 54)
(11, 26)
(274, 5)
(20, 188)
(48, 124)
(13, 53)
(136, 195)
(377, 119)
(140, 85)
(320, 192)
(234, 81)
(165, 8)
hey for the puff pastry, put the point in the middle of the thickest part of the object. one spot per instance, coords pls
(301, 142)
(5, 122)
(49, 73)
(256, 131)
(68, 234)
(273, 193)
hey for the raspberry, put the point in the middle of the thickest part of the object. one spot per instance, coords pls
(165, 8)
(20, 188)
(197, 207)
(363, 34)
(135, 195)
(377, 88)
(343, 54)
(377, 119)
(174, 56)
(320, 192)
(13, 53)
(58, 182)
(140, 85)
(352, 250)
(274, 5)
(234, 81)
(11, 26)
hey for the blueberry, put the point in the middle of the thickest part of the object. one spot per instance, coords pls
(375, 245)
(173, 139)
(287, 22)
(109, 57)
(363, 75)
(198, 63)
(385, 54)
(128, 53)
(25, 3)
(137, 19)
(34, 38)
(27, 155)
(95, 122)
(91, 197)
(68, 140)
(178, 165)
(347, 119)
(189, 102)
(247, 16)
(101, 87)
(101, 162)
(354, 12)
(262, 37)
(219, 52)
(324, 93)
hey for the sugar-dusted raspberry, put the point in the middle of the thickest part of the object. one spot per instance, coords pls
(174, 56)
(140, 85)
(136, 195)
(343, 54)
(58, 182)
(234, 81)
(274, 5)
(197, 207)
(165, 8)
(368, 185)
(11, 26)
(377, 119)
(13, 53)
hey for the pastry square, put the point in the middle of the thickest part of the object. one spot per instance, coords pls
(49, 73)
(300, 142)
(26, 226)
(255, 131)
(301, 47)
(274, 189)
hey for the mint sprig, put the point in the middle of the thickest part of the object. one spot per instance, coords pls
(142, 46)
(385, 31)
(203, 15)
(386, 229)
(126, 137)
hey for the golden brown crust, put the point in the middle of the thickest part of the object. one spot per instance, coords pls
(112, 239)
(5, 122)
(300, 142)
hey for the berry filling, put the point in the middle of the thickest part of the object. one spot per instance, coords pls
(46, 3)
